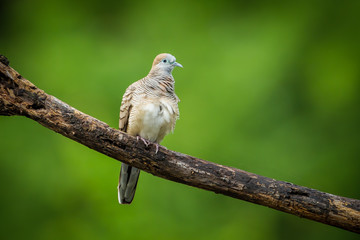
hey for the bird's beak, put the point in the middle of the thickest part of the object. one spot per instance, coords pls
(177, 64)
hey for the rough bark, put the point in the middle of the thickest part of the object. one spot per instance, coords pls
(18, 96)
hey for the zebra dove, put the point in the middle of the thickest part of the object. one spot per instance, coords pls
(149, 110)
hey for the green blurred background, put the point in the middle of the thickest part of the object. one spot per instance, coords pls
(268, 87)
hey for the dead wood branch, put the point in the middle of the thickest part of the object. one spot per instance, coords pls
(18, 96)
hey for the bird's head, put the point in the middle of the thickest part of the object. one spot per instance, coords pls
(164, 63)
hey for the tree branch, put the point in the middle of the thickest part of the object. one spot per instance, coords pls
(18, 96)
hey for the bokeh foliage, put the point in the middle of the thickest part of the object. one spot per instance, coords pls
(268, 87)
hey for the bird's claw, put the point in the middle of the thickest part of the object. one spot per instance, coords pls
(147, 142)
(143, 140)
(157, 148)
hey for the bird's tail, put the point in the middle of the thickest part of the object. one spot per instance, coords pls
(127, 183)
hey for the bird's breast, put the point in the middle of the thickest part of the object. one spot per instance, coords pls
(154, 119)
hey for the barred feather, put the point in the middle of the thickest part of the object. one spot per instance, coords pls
(149, 109)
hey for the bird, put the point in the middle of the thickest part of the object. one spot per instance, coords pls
(148, 111)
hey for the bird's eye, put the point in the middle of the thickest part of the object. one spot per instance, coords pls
(164, 61)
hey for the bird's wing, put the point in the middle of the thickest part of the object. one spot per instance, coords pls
(125, 108)
(128, 175)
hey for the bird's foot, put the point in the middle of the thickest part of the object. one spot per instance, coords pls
(146, 142)
(156, 148)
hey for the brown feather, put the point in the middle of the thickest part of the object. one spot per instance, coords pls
(154, 94)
